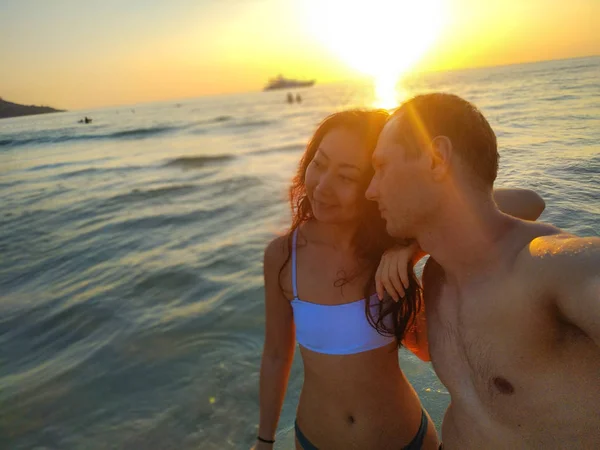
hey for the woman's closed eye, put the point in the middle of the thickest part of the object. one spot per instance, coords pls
(347, 179)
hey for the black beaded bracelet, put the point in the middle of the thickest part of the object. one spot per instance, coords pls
(266, 441)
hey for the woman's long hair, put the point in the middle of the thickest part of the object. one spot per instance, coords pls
(371, 238)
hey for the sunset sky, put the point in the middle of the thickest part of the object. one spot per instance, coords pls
(89, 53)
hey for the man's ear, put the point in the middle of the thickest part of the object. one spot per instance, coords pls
(441, 155)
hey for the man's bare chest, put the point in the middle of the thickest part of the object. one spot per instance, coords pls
(484, 338)
(507, 361)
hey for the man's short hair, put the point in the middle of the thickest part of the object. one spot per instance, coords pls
(437, 114)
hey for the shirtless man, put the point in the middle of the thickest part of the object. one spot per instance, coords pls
(513, 307)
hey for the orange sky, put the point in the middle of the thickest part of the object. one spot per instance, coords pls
(79, 54)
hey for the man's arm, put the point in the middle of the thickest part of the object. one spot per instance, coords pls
(573, 279)
(522, 203)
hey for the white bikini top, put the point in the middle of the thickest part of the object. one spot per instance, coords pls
(334, 329)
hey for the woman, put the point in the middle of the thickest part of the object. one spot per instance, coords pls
(354, 395)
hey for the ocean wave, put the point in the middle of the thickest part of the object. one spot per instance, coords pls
(157, 221)
(76, 173)
(227, 187)
(229, 123)
(21, 142)
(216, 119)
(146, 194)
(50, 330)
(50, 138)
(227, 342)
(250, 124)
(96, 170)
(10, 184)
(140, 132)
(281, 149)
(171, 282)
(560, 98)
(577, 68)
(589, 166)
(195, 162)
(516, 105)
(49, 166)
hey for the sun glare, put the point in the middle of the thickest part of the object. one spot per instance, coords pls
(380, 38)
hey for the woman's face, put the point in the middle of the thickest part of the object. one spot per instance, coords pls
(337, 177)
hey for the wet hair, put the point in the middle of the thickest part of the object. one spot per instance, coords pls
(438, 114)
(371, 239)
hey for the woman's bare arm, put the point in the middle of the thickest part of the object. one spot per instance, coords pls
(280, 340)
(522, 203)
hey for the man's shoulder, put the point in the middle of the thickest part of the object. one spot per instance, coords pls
(566, 241)
(559, 246)
(557, 252)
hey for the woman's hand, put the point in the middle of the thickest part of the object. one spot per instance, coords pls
(392, 273)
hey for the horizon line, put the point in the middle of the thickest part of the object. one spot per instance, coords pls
(219, 94)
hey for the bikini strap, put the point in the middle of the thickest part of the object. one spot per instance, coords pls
(294, 240)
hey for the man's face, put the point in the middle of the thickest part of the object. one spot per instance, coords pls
(402, 185)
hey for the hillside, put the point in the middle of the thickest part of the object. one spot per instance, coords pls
(9, 109)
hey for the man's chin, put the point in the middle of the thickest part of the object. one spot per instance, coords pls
(397, 232)
(391, 230)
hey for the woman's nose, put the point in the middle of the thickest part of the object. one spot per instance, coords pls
(324, 184)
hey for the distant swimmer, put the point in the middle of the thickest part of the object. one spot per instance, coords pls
(298, 98)
(86, 119)
(290, 98)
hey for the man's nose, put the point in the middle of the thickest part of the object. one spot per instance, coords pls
(371, 193)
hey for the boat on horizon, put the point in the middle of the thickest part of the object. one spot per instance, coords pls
(280, 82)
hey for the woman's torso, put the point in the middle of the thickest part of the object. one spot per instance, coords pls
(357, 401)
(353, 400)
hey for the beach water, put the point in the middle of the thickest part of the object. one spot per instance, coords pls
(131, 290)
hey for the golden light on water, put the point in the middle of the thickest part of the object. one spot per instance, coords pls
(381, 38)
(387, 92)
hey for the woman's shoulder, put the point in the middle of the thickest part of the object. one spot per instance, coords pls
(277, 253)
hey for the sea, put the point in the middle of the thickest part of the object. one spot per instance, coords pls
(131, 284)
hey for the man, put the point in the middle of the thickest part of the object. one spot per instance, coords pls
(513, 307)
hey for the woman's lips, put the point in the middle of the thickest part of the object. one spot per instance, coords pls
(321, 204)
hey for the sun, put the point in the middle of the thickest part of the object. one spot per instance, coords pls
(380, 38)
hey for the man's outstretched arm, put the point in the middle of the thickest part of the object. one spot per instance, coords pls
(574, 279)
